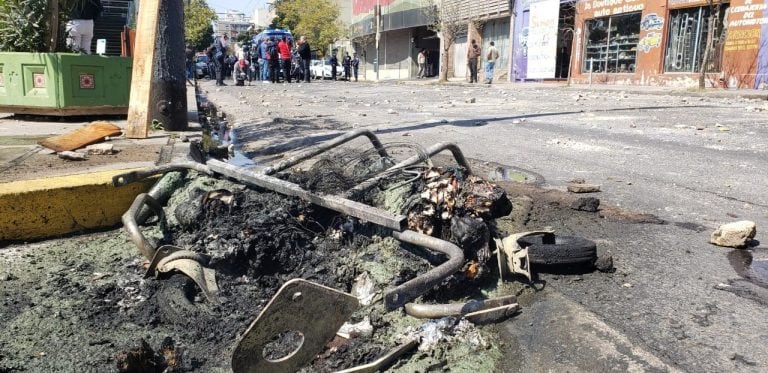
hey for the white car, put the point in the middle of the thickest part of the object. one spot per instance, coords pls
(321, 69)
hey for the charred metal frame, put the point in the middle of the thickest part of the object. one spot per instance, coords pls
(393, 298)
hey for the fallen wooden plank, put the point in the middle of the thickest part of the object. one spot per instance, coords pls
(143, 66)
(91, 134)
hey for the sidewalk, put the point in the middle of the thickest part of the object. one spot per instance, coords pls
(43, 196)
(632, 89)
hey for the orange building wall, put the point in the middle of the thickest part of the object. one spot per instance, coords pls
(740, 52)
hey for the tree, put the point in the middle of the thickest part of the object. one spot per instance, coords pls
(25, 25)
(318, 20)
(448, 20)
(198, 30)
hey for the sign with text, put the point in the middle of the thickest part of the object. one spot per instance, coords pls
(542, 39)
(603, 8)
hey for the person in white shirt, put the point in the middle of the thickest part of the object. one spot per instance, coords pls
(490, 62)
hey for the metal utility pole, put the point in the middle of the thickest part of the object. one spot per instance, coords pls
(378, 36)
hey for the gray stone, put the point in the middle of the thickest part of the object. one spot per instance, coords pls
(72, 156)
(735, 234)
(100, 149)
(583, 188)
(471, 100)
(589, 204)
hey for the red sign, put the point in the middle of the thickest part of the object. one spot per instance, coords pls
(366, 6)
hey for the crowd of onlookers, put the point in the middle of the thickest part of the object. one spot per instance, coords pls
(273, 59)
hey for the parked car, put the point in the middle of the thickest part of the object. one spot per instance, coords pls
(321, 69)
(201, 66)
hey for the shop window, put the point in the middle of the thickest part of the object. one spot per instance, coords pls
(610, 44)
(688, 29)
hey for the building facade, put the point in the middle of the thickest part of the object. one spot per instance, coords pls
(485, 21)
(403, 31)
(231, 23)
(643, 42)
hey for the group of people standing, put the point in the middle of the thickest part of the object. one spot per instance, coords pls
(349, 64)
(263, 61)
(491, 56)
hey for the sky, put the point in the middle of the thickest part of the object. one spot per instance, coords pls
(245, 6)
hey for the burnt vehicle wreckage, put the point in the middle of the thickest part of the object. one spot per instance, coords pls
(230, 226)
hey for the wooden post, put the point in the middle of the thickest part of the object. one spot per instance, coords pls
(143, 66)
(158, 85)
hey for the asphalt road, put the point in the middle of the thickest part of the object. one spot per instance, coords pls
(695, 162)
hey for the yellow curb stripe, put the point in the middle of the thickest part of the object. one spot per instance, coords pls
(35, 209)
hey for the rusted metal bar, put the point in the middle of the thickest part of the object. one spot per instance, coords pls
(431, 151)
(324, 147)
(132, 227)
(410, 290)
(336, 203)
(436, 311)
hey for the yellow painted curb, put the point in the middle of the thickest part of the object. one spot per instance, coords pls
(35, 209)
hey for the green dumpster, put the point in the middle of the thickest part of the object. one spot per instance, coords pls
(64, 84)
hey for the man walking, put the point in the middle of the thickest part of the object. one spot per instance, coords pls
(490, 57)
(306, 55)
(80, 26)
(473, 53)
(285, 58)
(219, 51)
(189, 56)
(355, 65)
(346, 63)
(334, 63)
(421, 59)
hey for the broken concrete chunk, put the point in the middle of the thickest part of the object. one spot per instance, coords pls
(735, 234)
(583, 188)
(72, 156)
(589, 204)
(100, 149)
(471, 100)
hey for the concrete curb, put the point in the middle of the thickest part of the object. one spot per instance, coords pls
(43, 208)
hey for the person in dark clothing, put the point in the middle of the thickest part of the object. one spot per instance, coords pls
(219, 52)
(274, 61)
(334, 63)
(189, 54)
(473, 52)
(355, 65)
(347, 64)
(80, 26)
(306, 55)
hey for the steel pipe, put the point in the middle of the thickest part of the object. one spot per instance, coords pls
(324, 147)
(431, 151)
(129, 177)
(399, 296)
(436, 311)
(336, 203)
(132, 227)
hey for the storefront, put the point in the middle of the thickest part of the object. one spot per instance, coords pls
(543, 37)
(656, 42)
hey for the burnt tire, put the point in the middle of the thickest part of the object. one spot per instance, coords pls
(554, 250)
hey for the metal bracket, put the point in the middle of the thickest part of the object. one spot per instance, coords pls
(169, 258)
(315, 311)
(510, 252)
